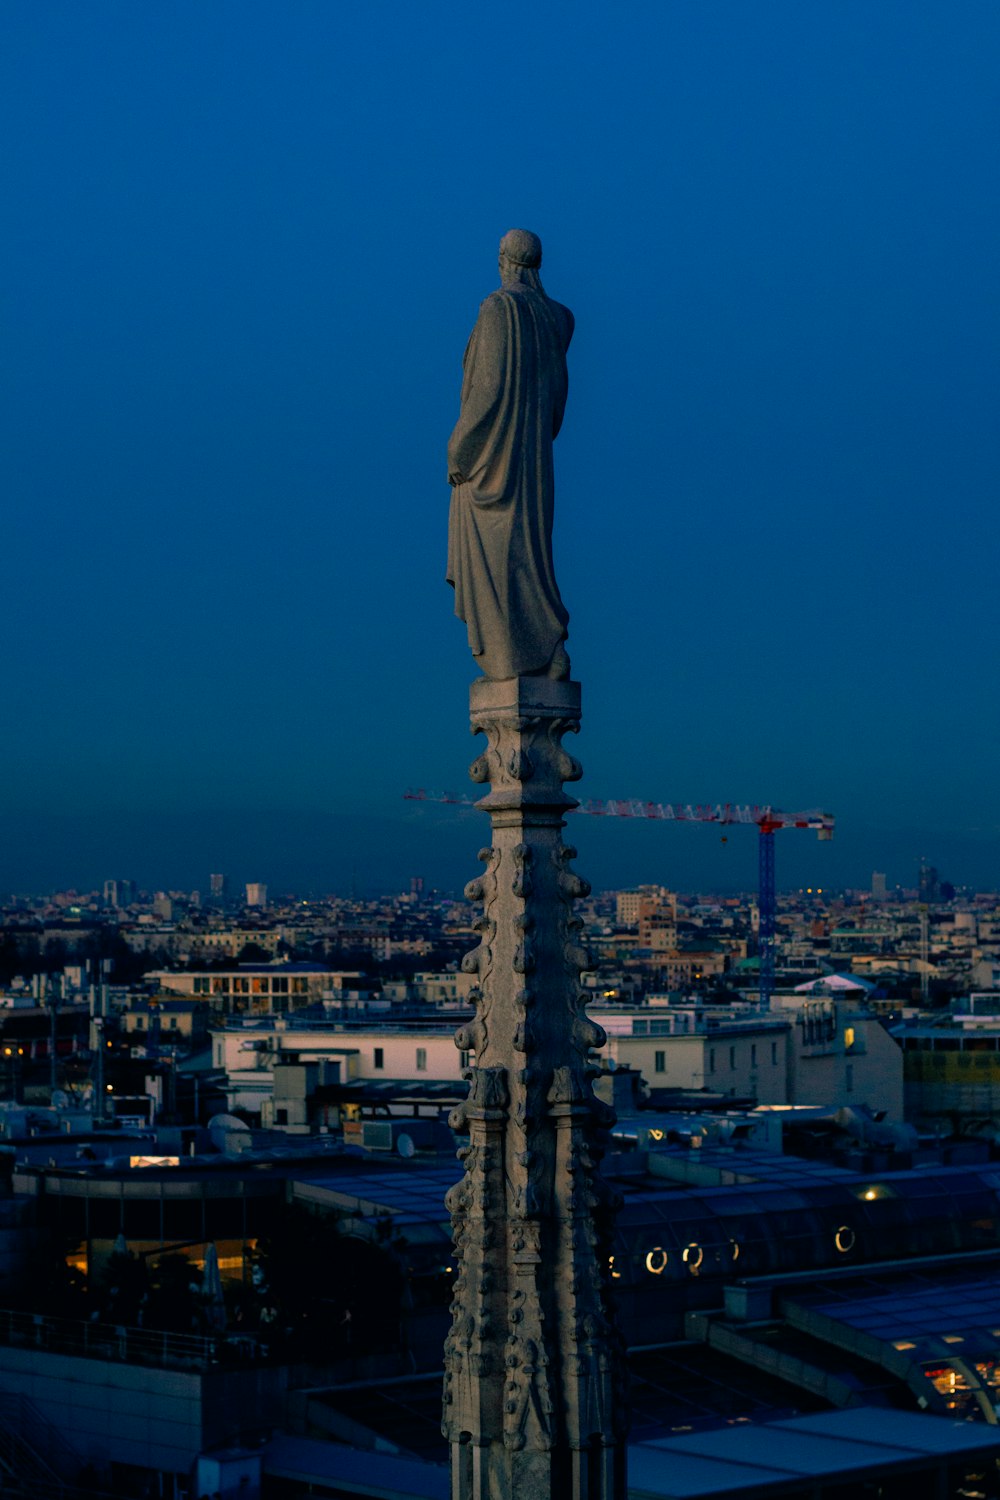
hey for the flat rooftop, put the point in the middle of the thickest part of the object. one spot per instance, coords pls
(803, 1455)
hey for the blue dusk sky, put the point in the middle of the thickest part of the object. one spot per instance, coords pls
(244, 245)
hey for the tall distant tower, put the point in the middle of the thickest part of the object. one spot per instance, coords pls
(879, 892)
(218, 886)
(118, 893)
(256, 893)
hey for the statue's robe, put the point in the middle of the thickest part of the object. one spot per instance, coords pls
(500, 526)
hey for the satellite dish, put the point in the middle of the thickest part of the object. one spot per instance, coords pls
(405, 1146)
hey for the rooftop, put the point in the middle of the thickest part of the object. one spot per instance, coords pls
(750, 1462)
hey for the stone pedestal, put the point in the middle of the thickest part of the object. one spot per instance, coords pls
(533, 1400)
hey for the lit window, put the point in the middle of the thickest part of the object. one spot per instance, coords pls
(693, 1256)
(848, 1036)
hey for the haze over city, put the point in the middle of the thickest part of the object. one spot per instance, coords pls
(245, 248)
(375, 1119)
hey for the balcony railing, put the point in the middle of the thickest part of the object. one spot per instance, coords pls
(108, 1341)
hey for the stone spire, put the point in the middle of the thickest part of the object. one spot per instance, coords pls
(533, 1398)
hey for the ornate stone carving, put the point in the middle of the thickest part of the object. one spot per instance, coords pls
(533, 1389)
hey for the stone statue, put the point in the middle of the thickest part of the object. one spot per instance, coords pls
(500, 468)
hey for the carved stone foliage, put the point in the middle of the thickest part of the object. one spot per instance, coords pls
(533, 1364)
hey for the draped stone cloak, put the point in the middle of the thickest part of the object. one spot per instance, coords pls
(500, 525)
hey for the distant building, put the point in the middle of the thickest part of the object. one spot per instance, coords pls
(652, 897)
(840, 1053)
(164, 1021)
(879, 892)
(821, 1049)
(931, 888)
(118, 893)
(951, 1067)
(681, 1047)
(249, 1054)
(218, 886)
(443, 990)
(256, 893)
(260, 989)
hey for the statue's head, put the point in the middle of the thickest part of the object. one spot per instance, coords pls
(520, 257)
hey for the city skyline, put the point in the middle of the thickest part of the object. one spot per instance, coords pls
(685, 857)
(246, 249)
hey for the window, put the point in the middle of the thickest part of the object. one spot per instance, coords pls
(774, 1054)
(732, 1057)
(656, 1261)
(421, 1059)
(378, 1058)
(140, 1023)
(464, 1058)
(281, 1117)
(849, 1078)
(711, 1059)
(848, 1036)
(753, 1054)
(660, 1061)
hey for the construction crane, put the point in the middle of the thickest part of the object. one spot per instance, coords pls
(768, 821)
